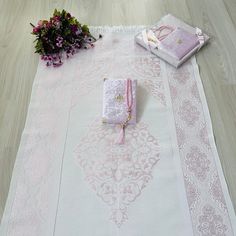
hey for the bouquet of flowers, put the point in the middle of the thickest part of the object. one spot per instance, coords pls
(61, 35)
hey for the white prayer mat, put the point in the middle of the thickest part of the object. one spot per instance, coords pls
(70, 178)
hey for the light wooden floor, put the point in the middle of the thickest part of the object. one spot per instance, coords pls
(18, 63)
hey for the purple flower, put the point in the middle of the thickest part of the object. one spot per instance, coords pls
(40, 23)
(35, 30)
(57, 24)
(59, 41)
(79, 31)
(56, 18)
(59, 45)
(74, 28)
(48, 25)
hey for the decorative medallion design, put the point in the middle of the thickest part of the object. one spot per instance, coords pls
(211, 224)
(180, 137)
(197, 163)
(149, 71)
(181, 74)
(117, 173)
(216, 192)
(146, 67)
(195, 92)
(156, 88)
(192, 193)
(188, 113)
(173, 92)
(204, 136)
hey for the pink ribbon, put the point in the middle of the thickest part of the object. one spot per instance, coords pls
(201, 37)
(152, 38)
(159, 31)
(129, 103)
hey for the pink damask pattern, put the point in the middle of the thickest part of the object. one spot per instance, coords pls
(204, 136)
(117, 174)
(204, 192)
(192, 193)
(194, 92)
(146, 67)
(182, 75)
(197, 163)
(148, 70)
(180, 136)
(216, 192)
(211, 224)
(156, 89)
(188, 113)
(173, 92)
(36, 160)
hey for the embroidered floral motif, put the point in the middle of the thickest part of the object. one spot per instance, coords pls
(188, 113)
(180, 136)
(147, 67)
(148, 70)
(211, 224)
(181, 75)
(204, 136)
(197, 163)
(194, 91)
(156, 88)
(216, 192)
(117, 173)
(192, 193)
(173, 92)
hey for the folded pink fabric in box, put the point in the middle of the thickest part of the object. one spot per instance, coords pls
(119, 101)
(179, 43)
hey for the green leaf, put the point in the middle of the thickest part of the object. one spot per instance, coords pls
(56, 13)
(85, 28)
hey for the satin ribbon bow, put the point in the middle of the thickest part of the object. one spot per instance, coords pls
(152, 38)
(201, 37)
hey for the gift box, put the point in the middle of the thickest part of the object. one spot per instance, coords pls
(172, 40)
